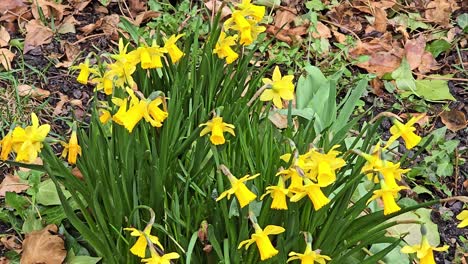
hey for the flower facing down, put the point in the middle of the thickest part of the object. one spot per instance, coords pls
(260, 237)
(217, 127)
(309, 256)
(313, 191)
(424, 251)
(157, 259)
(84, 72)
(6, 144)
(174, 52)
(388, 195)
(278, 193)
(150, 57)
(406, 131)
(238, 188)
(139, 248)
(282, 88)
(72, 149)
(223, 48)
(463, 216)
(27, 142)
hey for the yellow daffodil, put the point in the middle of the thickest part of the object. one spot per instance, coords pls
(174, 52)
(7, 144)
(388, 195)
(313, 191)
(250, 10)
(122, 73)
(424, 251)
(120, 115)
(321, 168)
(104, 82)
(157, 259)
(72, 149)
(217, 127)
(406, 131)
(104, 116)
(309, 256)
(223, 48)
(84, 72)
(278, 193)
(27, 143)
(260, 237)
(150, 57)
(247, 28)
(282, 88)
(293, 174)
(463, 217)
(238, 188)
(153, 114)
(139, 248)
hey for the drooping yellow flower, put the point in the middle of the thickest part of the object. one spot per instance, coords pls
(84, 72)
(150, 57)
(217, 127)
(250, 10)
(139, 248)
(309, 256)
(104, 116)
(72, 149)
(174, 52)
(260, 237)
(104, 82)
(424, 251)
(278, 193)
(313, 191)
(27, 143)
(124, 66)
(321, 167)
(243, 194)
(388, 195)
(6, 144)
(463, 216)
(406, 131)
(293, 174)
(157, 259)
(223, 48)
(153, 114)
(282, 88)
(247, 28)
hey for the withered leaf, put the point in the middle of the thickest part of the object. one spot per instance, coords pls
(439, 11)
(27, 90)
(6, 57)
(381, 21)
(6, 5)
(49, 9)
(44, 247)
(11, 183)
(428, 63)
(11, 242)
(36, 35)
(322, 31)
(59, 107)
(216, 5)
(109, 26)
(414, 49)
(4, 37)
(454, 119)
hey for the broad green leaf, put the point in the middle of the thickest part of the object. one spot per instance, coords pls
(309, 85)
(394, 256)
(47, 194)
(438, 46)
(414, 237)
(444, 169)
(84, 260)
(462, 21)
(315, 5)
(31, 223)
(404, 78)
(421, 189)
(433, 90)
(411, 21)
(16, 201)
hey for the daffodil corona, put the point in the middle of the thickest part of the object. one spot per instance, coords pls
(282, 88)
(406, 131)
(424, 251)
(72, 149)
(27, 142)
(223, 48)
(174, 52)
(217, 127)
(139, 248)
(260, 237)
(238, 188)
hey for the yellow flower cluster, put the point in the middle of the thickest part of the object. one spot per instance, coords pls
(25, 142)
(244, 20)
(147, 241)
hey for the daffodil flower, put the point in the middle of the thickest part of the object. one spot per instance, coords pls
(282, 88)
(27, 143)
(292, 174)
(84, 72)
(150, 57)
(313, 191)
(463, 216)
(406, 131)
(238, 188)
(71, 149)
(104, 116)
(223, 48)
(248, 28)
(139, 248)
(174, 52)
(217, 127)
(309, 256)
(250, 10)
(278, 193)
(424, 251)
(104, 82)
(157, 259)
(260, 237)
(7, 144)
(322, 167)
(153, 114)
(388, 195)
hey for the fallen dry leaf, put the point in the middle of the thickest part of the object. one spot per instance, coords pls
(59, 107)
(36, 35)
(67, 25)
(454, 119)
(216, 5)
(6, 57)
(145, 16)
(322, 31)
(11, 183)
(439, 11)
(279, 120)
(423, 118)
(27, 90)
(71, 52)
(4, 260)
(44, 247)
(137, 6)
(4, 37)
(341, 38)
(284, 17)
(414, 49)
(381, 20)
(77, 173)
(428, 63)
(377, 87)
(343, 15)
(6, 5)
(11, 242)
(78, 5)
(109, 26)
(49, 9)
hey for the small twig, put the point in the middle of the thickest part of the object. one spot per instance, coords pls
(128, 9)
(387, 114)
(257, 94)
(88, 37)
(343, 27)
(370, 254)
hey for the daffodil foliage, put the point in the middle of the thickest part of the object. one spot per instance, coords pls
(185, 130)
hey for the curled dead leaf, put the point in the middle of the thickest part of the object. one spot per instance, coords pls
(145, 16)
(11, 242)
(439, 11)
(4, 37)
(216, 5)
(36, 35)
(109, 26)
(6, 5)
(6, 57)
(49, 9)
(11, 183)
(414, 49)
(381, 20)
(454, 120)
(27, 90)
(322, 31)
(428, 63)
(77, 173)
(43, 246)
(59, 107)
(4, 260)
